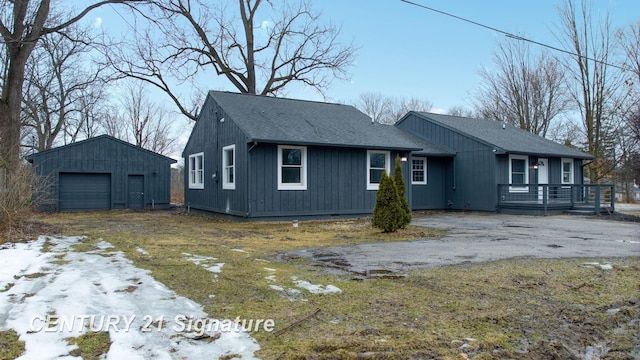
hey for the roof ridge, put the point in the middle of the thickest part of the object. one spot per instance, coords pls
(279, 98)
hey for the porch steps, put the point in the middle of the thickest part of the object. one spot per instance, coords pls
(586, 211)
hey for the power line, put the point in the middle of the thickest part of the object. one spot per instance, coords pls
(513, 36)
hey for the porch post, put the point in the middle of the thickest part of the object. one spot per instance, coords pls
(613, 198)
(545, 201)
(596, 208)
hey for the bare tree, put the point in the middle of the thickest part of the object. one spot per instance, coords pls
(191, 38)
(599, 92)
(401, 106)
(376, 105)
(388, 110)
(141, 121)
(62, 88)
(22, 24)
(526, 90)
(461, 111)
(630, 41)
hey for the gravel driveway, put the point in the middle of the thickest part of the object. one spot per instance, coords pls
(479, 237)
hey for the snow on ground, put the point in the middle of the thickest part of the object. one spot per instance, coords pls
(317, 288)
(102, 290)
(205, 261)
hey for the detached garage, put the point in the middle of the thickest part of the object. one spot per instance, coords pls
(101, 173)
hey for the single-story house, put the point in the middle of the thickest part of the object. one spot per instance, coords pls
(256, 156)
(101, 173)
(498, 166)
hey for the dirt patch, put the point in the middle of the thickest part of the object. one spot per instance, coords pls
(421, 306)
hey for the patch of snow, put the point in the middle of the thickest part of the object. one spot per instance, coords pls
(270, 277)
(142, 251)
(291, 294)
(601, 266)
(239, 250)
(269, 269)
(90, 287)
(103, 245)
(628, 241)
(316, 288)
(217, 268)
(205, 261)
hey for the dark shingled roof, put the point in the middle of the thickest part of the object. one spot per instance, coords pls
(88, 141)
(509, 139)
(290, 121)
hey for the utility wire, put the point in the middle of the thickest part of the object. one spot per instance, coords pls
(513, 36)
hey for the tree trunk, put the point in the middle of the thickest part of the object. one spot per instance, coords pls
(10, 107)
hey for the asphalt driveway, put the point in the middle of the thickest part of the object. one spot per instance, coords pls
(479, 237)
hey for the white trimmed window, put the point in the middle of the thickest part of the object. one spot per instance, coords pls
(292, 167)
(419, 171)
(229, 167)
(567, 171)
(377, 162)
(196, 171)
(518, 173)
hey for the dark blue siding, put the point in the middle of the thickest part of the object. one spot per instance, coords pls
(209, 136)
(105, 155)
(336, 183)
(471, 178)
(431, 196)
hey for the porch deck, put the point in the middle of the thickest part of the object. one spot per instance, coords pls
(556, 198)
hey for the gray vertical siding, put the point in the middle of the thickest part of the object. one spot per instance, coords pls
(336, 177)
(471, 182)
(106, 155)
(431, 196)
(209, 136)
(336, 183)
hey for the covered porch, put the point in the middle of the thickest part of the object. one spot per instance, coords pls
(546, 199)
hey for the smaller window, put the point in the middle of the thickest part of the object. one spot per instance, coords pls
(567, 171)
(419, 171)
(229, 167)
(377, 162)
(292, 167)
(196, 171)
(518, 173)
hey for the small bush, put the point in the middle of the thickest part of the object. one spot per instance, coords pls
(388, 214)
(404, 202)
(20, 190)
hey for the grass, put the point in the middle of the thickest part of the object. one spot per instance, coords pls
(526, 309)
(10, 345)
(91, 346)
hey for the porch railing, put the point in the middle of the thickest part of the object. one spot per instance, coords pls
(589, 197)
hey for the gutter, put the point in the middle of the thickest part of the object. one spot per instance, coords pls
(253, 146)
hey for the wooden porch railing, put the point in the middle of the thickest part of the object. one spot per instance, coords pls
(586, 197)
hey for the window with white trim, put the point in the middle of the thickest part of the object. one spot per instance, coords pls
(196, 171)
(419, 171)
(518, 173)
(377, 162)
(229, 167)
(567, 171)
(292, 167)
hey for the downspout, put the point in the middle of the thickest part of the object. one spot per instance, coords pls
(248, 167)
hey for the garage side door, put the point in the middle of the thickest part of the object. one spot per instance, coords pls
(84, 191)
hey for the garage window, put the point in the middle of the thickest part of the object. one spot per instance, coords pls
(196, 171)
